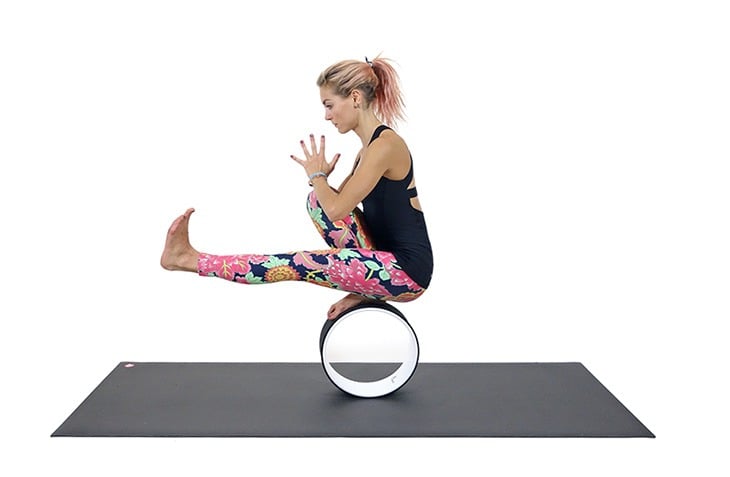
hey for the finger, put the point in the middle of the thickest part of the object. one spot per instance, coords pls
(335, 159)
(297, 160)
(304, 148)
(314, 146)
(321, 145)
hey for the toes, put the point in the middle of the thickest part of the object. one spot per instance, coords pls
(183, 218)
(174, 225)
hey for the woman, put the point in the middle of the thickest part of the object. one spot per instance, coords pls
(381, 253)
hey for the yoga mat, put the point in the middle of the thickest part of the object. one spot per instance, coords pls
(297, 400)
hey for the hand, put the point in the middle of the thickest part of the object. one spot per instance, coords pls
(315, 161)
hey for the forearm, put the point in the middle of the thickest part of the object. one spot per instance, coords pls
(328, 198)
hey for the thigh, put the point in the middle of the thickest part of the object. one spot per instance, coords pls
(370, 273)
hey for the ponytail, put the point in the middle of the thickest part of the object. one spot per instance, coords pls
(377, 80)
(388, 102)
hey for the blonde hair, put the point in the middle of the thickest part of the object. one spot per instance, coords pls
(377, 80)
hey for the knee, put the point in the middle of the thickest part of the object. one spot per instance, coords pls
(312, 202)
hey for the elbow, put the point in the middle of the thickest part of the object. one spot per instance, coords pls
(335, 213)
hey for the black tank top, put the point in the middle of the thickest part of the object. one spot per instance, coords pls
(396, 227)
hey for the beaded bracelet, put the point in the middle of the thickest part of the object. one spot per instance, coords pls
(316, 174)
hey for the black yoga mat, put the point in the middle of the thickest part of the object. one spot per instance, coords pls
(297, 400)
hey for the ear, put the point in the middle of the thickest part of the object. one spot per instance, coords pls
(356, 96)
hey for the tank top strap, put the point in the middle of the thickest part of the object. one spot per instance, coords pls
(409, 177)
(377, 132)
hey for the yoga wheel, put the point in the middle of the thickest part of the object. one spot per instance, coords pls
(369, 350)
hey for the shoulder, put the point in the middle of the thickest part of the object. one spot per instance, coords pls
(388, 146)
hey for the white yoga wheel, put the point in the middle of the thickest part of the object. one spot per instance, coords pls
(369, 350)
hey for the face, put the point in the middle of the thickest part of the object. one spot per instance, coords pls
(340, 111)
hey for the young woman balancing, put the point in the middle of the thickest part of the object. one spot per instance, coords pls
(380, 253)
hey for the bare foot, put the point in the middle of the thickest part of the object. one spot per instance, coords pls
(345, 304)
(178, 253)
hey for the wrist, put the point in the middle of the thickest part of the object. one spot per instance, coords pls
(316, 175)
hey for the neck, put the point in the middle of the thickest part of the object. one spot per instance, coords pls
(367, 125)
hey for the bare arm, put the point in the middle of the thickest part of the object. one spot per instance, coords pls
(349, 176)
(374, 163)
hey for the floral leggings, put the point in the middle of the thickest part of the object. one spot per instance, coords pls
(350, 264)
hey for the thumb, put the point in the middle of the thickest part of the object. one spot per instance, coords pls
(334, 160)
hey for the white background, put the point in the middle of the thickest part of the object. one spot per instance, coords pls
(571, 158)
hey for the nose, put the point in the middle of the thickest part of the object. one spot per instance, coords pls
(327, 115)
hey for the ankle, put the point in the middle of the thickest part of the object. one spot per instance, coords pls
(190, 261)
